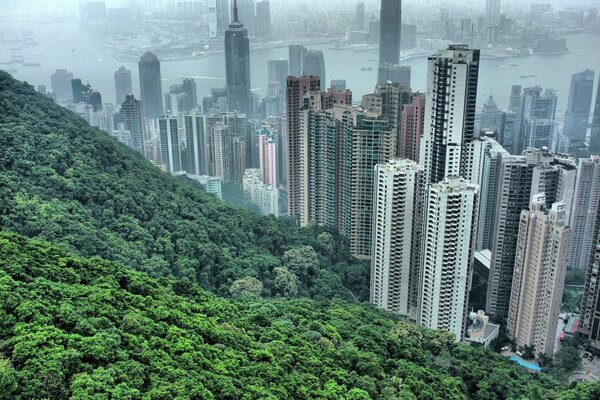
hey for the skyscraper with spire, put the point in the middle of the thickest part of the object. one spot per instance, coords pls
(389, 36)
(237, 65)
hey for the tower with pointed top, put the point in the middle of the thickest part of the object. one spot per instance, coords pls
(237, 66)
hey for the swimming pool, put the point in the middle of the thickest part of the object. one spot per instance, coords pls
(530, 366)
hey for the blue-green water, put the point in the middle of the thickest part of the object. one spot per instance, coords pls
(528, 365)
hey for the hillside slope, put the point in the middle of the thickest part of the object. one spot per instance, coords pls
(75, 328)
(73, 185)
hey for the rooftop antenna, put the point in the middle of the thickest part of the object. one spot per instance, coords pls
(235, 11)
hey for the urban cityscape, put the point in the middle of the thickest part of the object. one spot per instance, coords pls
(450, 149)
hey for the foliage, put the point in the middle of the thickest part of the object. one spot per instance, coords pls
(566, 360)
(75, 328)
(575, 276)
(246, 287)
(73, 185)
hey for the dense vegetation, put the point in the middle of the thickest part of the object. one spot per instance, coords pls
(66, 182)
(91, 329)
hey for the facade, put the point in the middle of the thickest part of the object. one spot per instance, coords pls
(266, 197)
(396, 255)
(490, 118)
(314, 65)
(492, 12)
(539, 275)
(449, 112)
(222, 11)
(263, 18)
(151, 86)
(578, 109)
(394, 73)
(132, 116)
(413, 121)
(237, 66)
(61, 85)
(297, 143)
(594, 146)
(448, 239)
(297, 54)
(238, 147)
(169, 143)
(539, 128)
(246, 14)
(267, 148)
(196, 143)
(123, 85)
(391, 99)
(585, 212)
(390, 29)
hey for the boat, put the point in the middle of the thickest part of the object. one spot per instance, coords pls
(364, 69)
(32, 64)
(527, 76)
(514, 65)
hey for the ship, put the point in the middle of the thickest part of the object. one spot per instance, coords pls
(364, 69)
(527, 76)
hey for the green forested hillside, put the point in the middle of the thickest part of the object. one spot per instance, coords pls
(76, 328)
(73, 185)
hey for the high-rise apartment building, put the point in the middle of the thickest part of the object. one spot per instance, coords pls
(266, 197)
(132, 117)
(220, 151)
(539, 275)
(169, 143)
(397, 228)
(594, 146)
(447, 258)
(267, 147)
(61, 84)
(449, 112)
(394, 73)
(585, 213)
(151, 86)
(314, 65)
(123, 85)
(297, 143)
(238, 146)
(389, 33)
(196, 143)
(578, 109)
(413, 122)
(390, 98)
(297, 54)
(237, 66)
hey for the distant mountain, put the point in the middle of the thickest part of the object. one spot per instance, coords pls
(76, 328)
(75, 186)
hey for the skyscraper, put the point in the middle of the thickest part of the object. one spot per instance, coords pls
(314, 65)
(297, 143)
(222, 10)
(237, 65)
(391, 99)
(213, 18)
(196, 143)
(446, 269)
(389, 34)
(297, 54)
(263, 18)
(123, 85)
(595, 135)
(578, 109)
(490, 118)
(151, 86)
(169, 143)
(413, 121)
(246, 15)
(359, 17)
(492, 12)
(585, 213)
(267, 148)
(278, 72)
(539, 275)
(449, 112)
(396, 257)
(61, 84)
(538, 119)
(132, 117)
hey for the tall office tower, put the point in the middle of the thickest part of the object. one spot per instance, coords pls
(151, 86)
(213, 19)
(449, 112)
(538, 119)
(175, 103)
(278, 72)
(537, 171)
(185, 96)
(319, 127)
(189, 88)
(237, 66)
(169, 143)
(359, 17)
(578, 109)
(132, 117)
(516, 99)
(297, 54)
(239, 159)
(492, 12)
(365, 140)
(389, 33)
(509, 134)
(394, 73)
(396, 256)
(246, 15)
(61, 84)
(539, 276)
(222, 16)
(585, 213)
(314, 65)
(196, 143)
(408, 37)
(447, 255)
(297, 143)
(594, 147)
(123, 85)
(413, 122)
(490, 118)
(487, 157)
(263, 18)
(268, 157)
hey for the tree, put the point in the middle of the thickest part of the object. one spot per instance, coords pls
(246, 287)
(326, 243)
(303, 261)
(286, 283)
